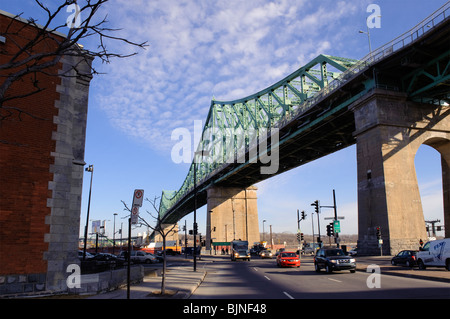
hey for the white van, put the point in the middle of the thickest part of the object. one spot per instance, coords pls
(435, 253)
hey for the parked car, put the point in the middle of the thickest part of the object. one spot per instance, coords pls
(287, 258)
(88, 255)
(353, 252)
(160, 256)
(405, 257)
(139, 256)
(333, 259)
(310, 249)
(434, 253)
(266, 253)
(111, 259)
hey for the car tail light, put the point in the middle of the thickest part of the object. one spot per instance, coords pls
(413, 257)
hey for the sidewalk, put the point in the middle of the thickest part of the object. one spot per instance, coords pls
(384, 262)
(181, 282)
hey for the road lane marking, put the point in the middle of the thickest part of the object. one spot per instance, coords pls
(256, 269)
(267, 277)
(334, 280)
(288, 295)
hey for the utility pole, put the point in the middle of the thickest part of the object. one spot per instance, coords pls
(185, 239)
(336, 234)
(316, 205)
(299, 231)
(336, 224)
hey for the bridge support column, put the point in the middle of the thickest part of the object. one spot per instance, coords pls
(389, 131)
(232, 213)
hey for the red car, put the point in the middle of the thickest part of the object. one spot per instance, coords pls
(287, 258)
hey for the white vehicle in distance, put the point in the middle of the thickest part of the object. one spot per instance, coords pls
(435, 253)
(139, 256)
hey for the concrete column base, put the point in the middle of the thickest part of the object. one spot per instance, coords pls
(232, 213)
(389, 131)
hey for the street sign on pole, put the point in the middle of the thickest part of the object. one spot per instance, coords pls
(138, 197)
(337, 226)
(96, 226)
(134, 215)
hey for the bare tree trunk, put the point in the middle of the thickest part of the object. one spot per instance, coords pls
(163, 232)
(163, 281)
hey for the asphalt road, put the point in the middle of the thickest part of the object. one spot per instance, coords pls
(262, 279)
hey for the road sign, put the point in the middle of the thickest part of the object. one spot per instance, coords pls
(96, 226)
(138, 197)
(337, 226)
(134, 215)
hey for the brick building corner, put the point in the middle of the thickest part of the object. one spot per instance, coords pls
(41, 171)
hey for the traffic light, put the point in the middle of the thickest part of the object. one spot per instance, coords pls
(195, 229)
(316, 206)
(301, 236)
(303, 215)
(378, 233)
(298, 237)
(200, 239)
(330, 230)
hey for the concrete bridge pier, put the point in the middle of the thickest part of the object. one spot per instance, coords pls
(389, 131)
(232, 213)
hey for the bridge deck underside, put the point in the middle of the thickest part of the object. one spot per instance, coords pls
(420, 69)
(301, 141)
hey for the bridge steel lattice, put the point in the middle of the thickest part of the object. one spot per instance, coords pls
(232, 128)
(312, 111)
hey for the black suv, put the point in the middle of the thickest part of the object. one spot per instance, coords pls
(333, 259)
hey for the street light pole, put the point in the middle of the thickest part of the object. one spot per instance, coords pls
(114, 234)
(88, 169)
(202, 153)
(264, 233)
(368, 37)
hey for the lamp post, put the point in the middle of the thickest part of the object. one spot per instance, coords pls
(114, 233)
(264, 233)
(88, 169)
(201, 153)
(368, 36)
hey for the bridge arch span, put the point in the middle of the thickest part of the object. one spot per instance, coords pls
(389, 131)
(442, 146)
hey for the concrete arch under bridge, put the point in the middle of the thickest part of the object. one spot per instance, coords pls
(389, 131)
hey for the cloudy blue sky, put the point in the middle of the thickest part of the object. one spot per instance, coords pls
(226, 49)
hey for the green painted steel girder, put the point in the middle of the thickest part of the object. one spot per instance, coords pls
(419, 83)
(232, 126)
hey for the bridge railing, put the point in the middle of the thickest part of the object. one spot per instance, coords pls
(405, 39)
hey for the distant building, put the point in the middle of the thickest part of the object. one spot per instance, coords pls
(41, 169)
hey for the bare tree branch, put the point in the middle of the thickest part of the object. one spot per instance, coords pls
(26, 55)
(160, 229)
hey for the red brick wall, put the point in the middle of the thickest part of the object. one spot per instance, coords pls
(25, 158)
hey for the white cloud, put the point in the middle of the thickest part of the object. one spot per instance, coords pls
(198, 49)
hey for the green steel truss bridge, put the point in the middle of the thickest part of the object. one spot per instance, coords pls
(308, 111)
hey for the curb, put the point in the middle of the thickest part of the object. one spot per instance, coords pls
(186, 294)
(384, 271)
